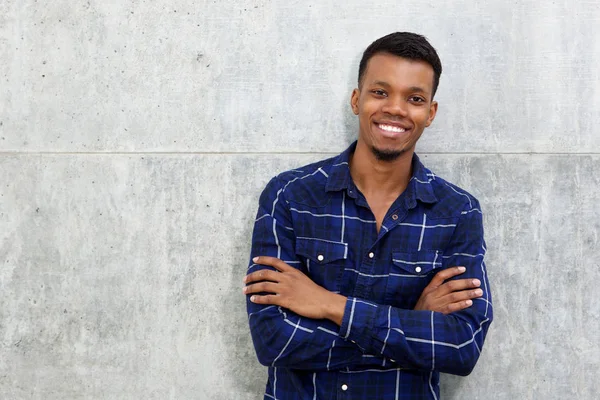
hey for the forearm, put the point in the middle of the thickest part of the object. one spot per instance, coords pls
(284, 339)
(423, 340)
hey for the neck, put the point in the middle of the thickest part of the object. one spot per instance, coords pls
(380, 178)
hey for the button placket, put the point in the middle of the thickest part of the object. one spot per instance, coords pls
(363, 281)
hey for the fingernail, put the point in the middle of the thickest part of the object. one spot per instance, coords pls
(255, 259)
(252, 298)
(244, 280)
(245, 289)
(476, 282)
(478, 292)
(462, 269)
(469, 302)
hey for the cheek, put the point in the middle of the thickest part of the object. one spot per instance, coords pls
(362, 115)
(423, 118)
(364, 121)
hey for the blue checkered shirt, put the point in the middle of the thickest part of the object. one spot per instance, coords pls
(315, 219)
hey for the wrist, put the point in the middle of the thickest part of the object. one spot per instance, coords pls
(334, 308)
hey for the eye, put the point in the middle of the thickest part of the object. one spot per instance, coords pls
(379, 93)
(416, 99)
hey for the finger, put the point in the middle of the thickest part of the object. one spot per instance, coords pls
(262, 275)
(459, 284)
(448, 273)
(265, 299)
(454, 307)
(442, 276)
(261, 287)
(461, 296)
(273, 262)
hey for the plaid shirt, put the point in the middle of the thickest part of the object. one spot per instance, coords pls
(316, 220)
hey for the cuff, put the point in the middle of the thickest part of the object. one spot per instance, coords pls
(358, 321)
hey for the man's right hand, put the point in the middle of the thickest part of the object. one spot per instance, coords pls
(446, 296)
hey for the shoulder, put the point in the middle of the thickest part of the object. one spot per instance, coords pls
(305, 184)
(452, 200)
(309, 173)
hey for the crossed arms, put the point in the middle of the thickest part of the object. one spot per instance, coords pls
(297, 324)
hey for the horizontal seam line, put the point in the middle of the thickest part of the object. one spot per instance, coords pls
(4, 153)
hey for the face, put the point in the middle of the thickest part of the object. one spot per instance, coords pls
(394, 104)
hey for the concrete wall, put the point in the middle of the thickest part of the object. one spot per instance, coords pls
(135, 137)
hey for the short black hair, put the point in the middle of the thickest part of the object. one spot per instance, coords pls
(406, 45)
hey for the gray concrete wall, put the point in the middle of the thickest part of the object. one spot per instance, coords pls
(135, 137)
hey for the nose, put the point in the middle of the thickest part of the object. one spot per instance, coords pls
(395, 105)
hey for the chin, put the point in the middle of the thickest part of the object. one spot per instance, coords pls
(387, 155)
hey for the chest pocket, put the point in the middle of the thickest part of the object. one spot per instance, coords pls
(324, 261)
(409, 274)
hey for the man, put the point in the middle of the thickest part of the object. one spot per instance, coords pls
(345, 300)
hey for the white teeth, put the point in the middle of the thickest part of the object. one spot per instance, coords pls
(390, 128)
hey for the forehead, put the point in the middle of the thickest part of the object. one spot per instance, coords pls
(399, 72)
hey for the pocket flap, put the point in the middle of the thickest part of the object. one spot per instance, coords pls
(321, 251)
(417, 262)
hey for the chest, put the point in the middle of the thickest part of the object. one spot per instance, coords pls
(381, 253)
(379, 206)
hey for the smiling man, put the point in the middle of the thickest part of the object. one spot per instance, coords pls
(367, 276)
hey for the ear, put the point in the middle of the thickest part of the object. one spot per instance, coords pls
(354, 101)
(432, 111)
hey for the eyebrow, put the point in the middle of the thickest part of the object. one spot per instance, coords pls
(417, 89)
(380, 83)
(410, 89)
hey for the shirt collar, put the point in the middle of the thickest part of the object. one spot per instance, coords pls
(339, 175)
(419, 186)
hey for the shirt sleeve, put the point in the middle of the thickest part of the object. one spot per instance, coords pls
(428, 340)
(281, 337)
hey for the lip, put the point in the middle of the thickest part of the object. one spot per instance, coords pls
(389, 134)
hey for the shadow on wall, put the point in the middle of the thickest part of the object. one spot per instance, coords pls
(351, 120)
(248, 375)
(450, 386)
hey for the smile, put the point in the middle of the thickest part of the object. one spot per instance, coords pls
(391, 128)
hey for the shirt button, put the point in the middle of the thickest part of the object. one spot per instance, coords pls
(371, 255)
(344, 387)
(320, 257)
(418, 269)
(395, 217)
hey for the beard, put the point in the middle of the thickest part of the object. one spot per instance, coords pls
(386, 155)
